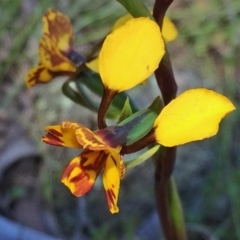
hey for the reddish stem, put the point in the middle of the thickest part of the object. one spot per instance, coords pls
(164, 73)
(164, 166)
(140, 144)
(165, 161)
(107, 98)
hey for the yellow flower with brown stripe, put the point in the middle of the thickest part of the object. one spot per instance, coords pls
(101, 152)
(56, 53)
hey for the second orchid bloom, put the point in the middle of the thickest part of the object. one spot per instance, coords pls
(56, 54)
(102, 152)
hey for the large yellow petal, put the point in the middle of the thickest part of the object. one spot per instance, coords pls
(194, 115)
(130, 54)
(169, 31)
(81, 173)
(62, 135)
(111, 183)
(58, 27)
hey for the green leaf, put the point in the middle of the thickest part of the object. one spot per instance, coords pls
(126, 111)
(139, 124)
(143, 127)
(157, 105)
(133, 116)
(136, 8)
(143, 157)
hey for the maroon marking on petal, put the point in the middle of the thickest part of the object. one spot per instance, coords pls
(98, 163)
(113, 160)
(100, 160)
(55, 132)
(36, 76)
(79, 177)
(88, 139)
(69, 169)
(52, 139)
(50, 52)
(52, 142)
(59, 26)
(81, 182)
(110, 196)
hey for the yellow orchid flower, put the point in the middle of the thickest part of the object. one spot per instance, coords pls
(130, 54)
(101, 152)
(194, 115)
(56, 54)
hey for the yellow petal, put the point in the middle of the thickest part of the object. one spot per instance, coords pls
(115, 153)
(62, 135)
(58, 27)
(81, 173)
(39, 74)
(51, 57)
(111, 183)
(130, 54)
(169, 31)
(194, 115)
(93, 65)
